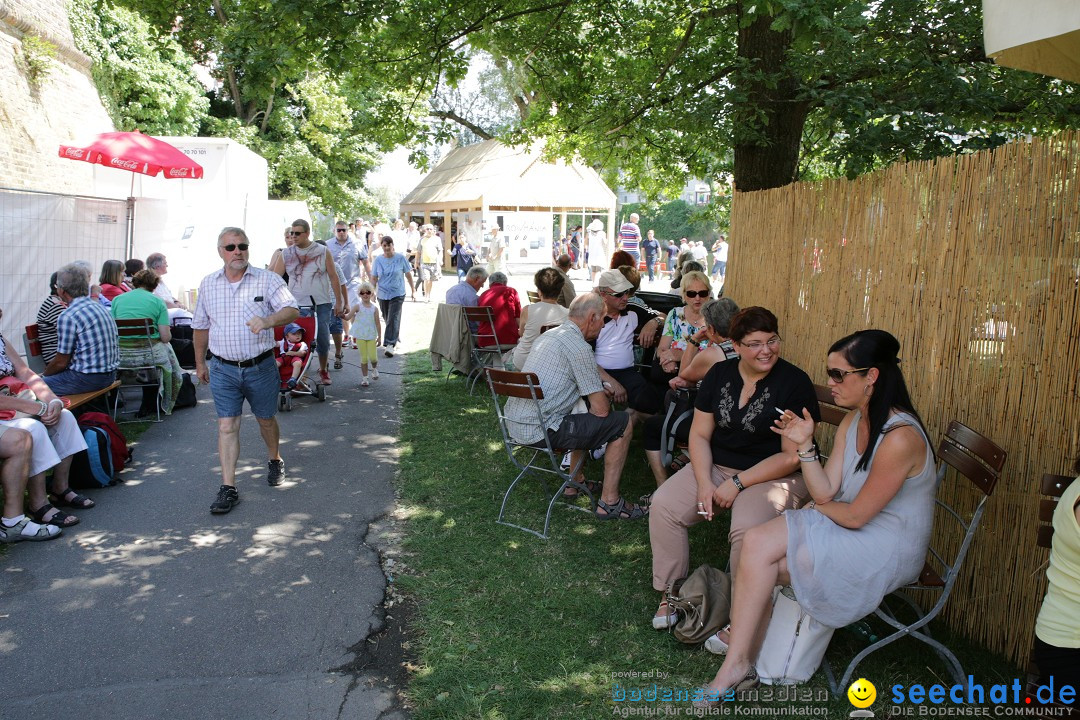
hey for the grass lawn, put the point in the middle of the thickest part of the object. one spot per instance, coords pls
(511, 626)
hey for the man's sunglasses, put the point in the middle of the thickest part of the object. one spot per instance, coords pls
(295, 233)
(232, 246)
(696, 293)
(342, 230)
(622, 294)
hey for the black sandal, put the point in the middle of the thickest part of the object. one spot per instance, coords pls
(70, 498)
(572, 493)
(59, 518)
(619, 511)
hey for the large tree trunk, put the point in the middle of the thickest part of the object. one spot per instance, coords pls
(767, 145)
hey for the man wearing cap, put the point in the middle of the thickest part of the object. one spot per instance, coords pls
(239, 306)
(563, 363)
(622, 380)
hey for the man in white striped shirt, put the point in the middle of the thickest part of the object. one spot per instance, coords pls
(238, 308)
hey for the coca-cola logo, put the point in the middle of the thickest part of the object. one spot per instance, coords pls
(126, 164)
(178, 172)
(76, 153)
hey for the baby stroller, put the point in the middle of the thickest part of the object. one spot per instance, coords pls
(304, 385)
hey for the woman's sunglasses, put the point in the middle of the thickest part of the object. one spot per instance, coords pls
(696, 293)
(838, 376)
(232, 246)
(365, 292)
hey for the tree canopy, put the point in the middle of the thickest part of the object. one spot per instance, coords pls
(764, 92)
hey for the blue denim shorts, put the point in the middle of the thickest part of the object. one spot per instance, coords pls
(231, 385)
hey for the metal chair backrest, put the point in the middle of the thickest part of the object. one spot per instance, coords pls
(481, 319)
(32, 347)
(534, 297)
(1052, 488)
(830, 412)
(133, 330)
(980, 460)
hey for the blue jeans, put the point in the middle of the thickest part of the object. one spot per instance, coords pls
(70, 382)
(391, 312)
(650, 265)
(322, 335)
(231, 385)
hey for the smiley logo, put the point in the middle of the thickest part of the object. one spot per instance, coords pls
(862, 693)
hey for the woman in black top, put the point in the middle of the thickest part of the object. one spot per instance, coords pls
(736, 460)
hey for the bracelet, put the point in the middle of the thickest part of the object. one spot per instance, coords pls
(812, 452)
(812, 458)
(44, 408)
(737, 482)
(692, 341)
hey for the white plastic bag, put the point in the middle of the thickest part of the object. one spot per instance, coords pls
(794, 643)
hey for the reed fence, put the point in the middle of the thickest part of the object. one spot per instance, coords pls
(973, 263)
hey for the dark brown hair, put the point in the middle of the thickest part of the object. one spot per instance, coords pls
(752, 319)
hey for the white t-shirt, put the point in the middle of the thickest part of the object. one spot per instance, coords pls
(162, 291)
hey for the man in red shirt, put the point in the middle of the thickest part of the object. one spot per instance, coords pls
(505, 310)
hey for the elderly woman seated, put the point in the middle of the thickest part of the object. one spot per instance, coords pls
(549, 284)
(505, 310)
(737, 461)
(28, 405)
(47, 315)
(873, 499)
(142, 303)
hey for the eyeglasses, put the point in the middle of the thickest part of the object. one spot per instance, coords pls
(622, 294)
(295, 233)
(772, 342)
(696, 293)
(365, 292)
(342, 230)
(232, 246)
(838, 376)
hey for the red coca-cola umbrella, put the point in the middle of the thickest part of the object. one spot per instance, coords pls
(136, 153)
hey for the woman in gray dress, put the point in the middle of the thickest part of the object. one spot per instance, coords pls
(868, 529)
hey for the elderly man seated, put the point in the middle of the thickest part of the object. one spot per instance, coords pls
(505, 311)
(567, 371)
(615, 345)
(87, 352)
(465, 292)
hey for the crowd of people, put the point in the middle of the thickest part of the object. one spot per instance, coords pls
(794, 519)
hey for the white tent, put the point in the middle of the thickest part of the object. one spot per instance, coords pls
(1041, 36)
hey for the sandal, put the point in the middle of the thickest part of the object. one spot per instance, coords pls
(16, 533)
(571, 492)
(680, 462)
(619, 510)
(645, 500)
(70, 498)
(717, 646)
(337, 361)
(60, 518)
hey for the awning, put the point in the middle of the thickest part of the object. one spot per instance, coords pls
(1041, 36)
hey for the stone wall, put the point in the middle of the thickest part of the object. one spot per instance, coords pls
(64, 109)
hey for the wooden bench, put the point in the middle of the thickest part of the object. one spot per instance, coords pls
(71, 402)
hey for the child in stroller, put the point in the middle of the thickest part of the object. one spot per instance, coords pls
(292, 354)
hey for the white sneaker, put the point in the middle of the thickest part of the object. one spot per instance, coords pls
(364, 383)
(389, 351)
(598, 453)
(374, 373)
(565, 464)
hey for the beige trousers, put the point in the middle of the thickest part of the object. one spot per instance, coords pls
(674, 509)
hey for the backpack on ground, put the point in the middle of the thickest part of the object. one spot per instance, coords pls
(121, 453)
(92, 467)
(186, 397)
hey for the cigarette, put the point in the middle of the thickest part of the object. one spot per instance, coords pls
(779, 410)
(703, 513)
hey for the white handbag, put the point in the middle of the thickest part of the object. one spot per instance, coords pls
(794, 642)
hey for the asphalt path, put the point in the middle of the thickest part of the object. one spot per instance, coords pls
(153, 608)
